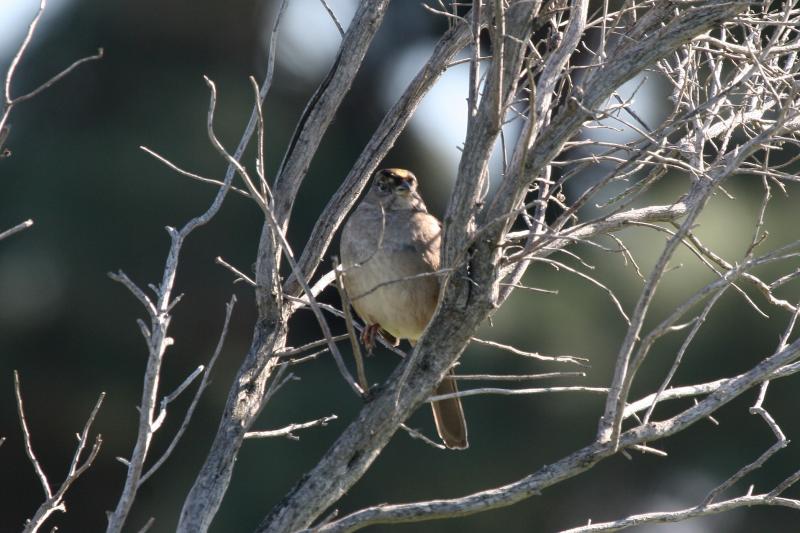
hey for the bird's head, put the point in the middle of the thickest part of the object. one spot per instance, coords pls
(394, 189)
(395, 181)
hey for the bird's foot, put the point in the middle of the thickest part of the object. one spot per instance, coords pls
(368, 337)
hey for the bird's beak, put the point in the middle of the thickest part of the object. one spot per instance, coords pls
(404, 187)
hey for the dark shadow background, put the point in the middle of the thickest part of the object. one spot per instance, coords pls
(100, 204)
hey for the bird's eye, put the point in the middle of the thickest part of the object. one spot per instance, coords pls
(383, 186)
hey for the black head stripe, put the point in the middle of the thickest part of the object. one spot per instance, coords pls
(397, 177)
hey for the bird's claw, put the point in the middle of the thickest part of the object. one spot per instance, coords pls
(368, 337)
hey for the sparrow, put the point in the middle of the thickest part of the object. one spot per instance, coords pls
(390, 251)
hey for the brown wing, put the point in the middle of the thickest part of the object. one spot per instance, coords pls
(426, 234)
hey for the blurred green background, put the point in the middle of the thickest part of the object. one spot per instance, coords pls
(100, 204)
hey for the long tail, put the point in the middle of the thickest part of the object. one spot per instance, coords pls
(449, 416)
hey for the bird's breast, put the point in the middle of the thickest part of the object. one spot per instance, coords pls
(388, 277)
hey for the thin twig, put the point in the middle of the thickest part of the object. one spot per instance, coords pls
(55, 501)
(559, 265)
(10, 101)
(742, 472)
(166, 400)
(333, 17)
(289, 431)
(37, 467)
(581, 361)
(686, 514)
(19, 227)
(351, 332)
(172, 166)
(278, 232)
(513, 392)
(291, 352)
(414, 434)
(204, 382)
(516, 377)
(240, 275)
(58, 77)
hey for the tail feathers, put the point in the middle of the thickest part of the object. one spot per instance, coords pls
(449, 416)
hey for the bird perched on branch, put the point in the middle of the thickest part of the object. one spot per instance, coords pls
(390, 250)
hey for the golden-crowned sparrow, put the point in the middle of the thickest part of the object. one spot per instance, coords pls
(388, 246)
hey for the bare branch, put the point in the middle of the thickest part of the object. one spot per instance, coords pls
(28, 446)
(686, 514)
(517, 377)
(514, 392)
(248, 393)
(179, 170)
(323, 104)
(159, 341)
(289, 431)
(732, 70)
(291, 352)
(10, 101)
(240, 275)
(58, 77)
(731, 481)
(204, 382)
(278, 234)
(333, 17)
(581, 361)
(414, 434)
(569, 466)
(54, 501)
(590, 279)
(395, 120)
(166, 400)
(16, 229)
(351, 332)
